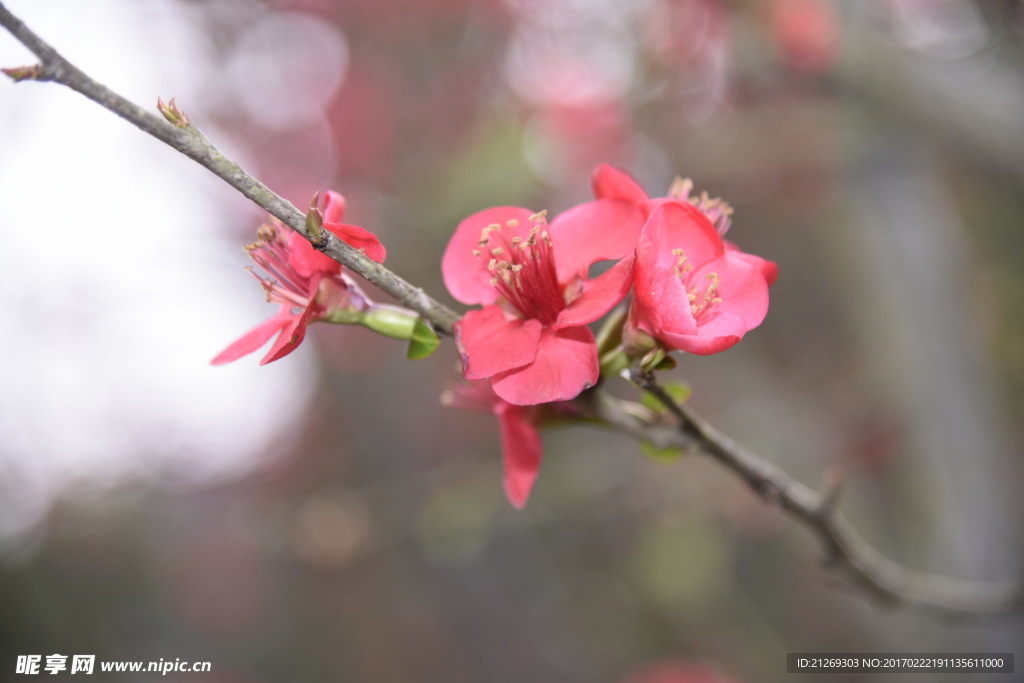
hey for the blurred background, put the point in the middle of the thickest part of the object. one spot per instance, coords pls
(323, 517)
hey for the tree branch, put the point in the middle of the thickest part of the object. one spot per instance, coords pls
(846, 552)
(191, 142)
(870, 572)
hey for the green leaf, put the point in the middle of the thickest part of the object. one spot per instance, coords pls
(679, 391)
(610, 334)
(666, 363)
(423, 341)
(669, 454)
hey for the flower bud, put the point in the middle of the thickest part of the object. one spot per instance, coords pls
(315, 224)
(172, 113)
(23, 73)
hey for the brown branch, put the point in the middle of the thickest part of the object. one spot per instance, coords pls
(846, 552)
(872, 573)
(191, 142)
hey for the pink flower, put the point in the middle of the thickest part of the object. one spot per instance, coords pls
(692, 293)
(520, 442)
(308, 285)
(531, 339)
(612, 183)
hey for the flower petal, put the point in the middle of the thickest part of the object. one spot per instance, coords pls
(742, 288)
(306, 260)
(465, 274)
(358, 238)
(769, 269)
(565, 365)
(599, 295)
(609, 182)
(294, 331)
(490, 343)
(721, 331)
(602, 230)
(661, 302)
(255, 338)
(677, 229)
(521, 450)
(334, 207)
(291, 336)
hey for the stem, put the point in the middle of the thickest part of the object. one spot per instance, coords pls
(191, 142)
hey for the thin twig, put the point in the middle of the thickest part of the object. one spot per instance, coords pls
(191, 142)
(846, 552)
(874, 574)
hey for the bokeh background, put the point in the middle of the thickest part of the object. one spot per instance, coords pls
(324, 517)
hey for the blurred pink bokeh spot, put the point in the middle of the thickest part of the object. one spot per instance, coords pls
(672, 671)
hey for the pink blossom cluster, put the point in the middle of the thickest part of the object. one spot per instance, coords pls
(307, 285)
(530, 348)
(530, 342)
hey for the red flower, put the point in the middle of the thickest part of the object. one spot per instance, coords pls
(520, 442)
(308, 285)
(531, 339)
(692, 292)
(611, 183)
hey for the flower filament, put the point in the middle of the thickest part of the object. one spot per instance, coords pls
(700, 302)
(270, 252)
(523, 269)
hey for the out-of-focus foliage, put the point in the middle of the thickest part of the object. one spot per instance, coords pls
(875, 150)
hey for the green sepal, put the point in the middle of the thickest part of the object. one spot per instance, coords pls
(424, 340)
(653, 359)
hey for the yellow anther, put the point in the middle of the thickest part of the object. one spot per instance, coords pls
(492, 264)
(476, 252)
(512, 222)
(486, 232)
(498, 251)
(680, 188)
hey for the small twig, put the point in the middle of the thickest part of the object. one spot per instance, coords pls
(846, 552)
(191, 142)
(866, 570)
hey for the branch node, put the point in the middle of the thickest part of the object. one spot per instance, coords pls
(770, 494)
(835, 482)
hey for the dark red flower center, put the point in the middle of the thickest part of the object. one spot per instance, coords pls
(523, 269)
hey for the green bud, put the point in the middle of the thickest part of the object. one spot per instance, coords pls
(391, 321)
(315, 223)
(172, 112)
(23, 73)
